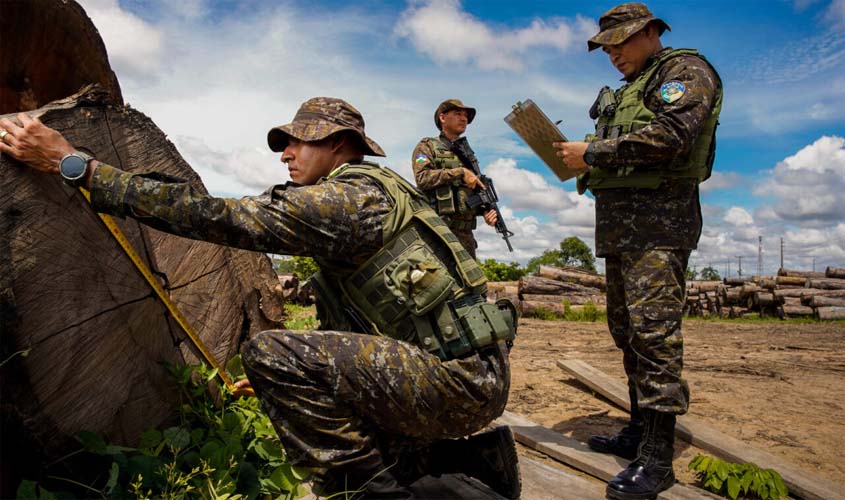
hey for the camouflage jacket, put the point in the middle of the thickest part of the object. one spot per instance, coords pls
(629, 219)
(427, 173)
(339, 218)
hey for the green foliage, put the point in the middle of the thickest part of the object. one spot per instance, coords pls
(732, 480)
(302, 267)
(222, 447)
(710, 274)
(589, 313)
(499, 271)
(690, 274)
(547, 258)
(575, 252)
(572, 252)
(300, 317)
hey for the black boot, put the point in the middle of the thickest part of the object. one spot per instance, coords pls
(374, 481)
(489, 457)
(627, 441)
(651, 472)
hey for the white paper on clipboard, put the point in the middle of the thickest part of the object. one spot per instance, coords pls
(535, 128)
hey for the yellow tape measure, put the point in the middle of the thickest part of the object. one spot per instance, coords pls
(165, 299)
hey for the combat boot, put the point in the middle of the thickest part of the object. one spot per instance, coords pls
(627, 441)
(375, 482)
(489, 457)
(651, 472)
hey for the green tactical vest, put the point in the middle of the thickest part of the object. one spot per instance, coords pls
(421, 287)
(449, 200)
(631, 115)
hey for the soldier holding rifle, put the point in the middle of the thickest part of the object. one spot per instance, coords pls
(448, 179)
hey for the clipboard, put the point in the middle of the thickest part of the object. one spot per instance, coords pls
(535, 128)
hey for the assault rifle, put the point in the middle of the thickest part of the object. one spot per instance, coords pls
(483, 199)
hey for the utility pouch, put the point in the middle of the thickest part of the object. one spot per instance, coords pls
(418, 279)
(483, 324)
(444, 201)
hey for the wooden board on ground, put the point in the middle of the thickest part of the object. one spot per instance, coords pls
(577, 455)
(539, 482)
(799, 481)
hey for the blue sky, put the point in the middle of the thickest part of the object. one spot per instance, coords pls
(215, 76)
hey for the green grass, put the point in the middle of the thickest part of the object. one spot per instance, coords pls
(301, 317)
(589, 313)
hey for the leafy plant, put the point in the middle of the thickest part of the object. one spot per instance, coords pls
(732, 480)
(499, 271)
(302, 267)
(300, 317)
(223, 448)
(572, 252)
(589, 312)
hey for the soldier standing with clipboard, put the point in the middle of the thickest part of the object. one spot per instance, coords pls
(654, 144)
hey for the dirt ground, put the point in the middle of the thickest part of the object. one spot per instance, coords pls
(778, 386)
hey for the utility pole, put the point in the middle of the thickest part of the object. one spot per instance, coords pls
(740, 265)
(814, 264)
(781, 252)
(759, 256)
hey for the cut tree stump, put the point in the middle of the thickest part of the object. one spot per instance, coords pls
(95, 334)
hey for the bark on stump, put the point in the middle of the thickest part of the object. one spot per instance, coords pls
(95, 332)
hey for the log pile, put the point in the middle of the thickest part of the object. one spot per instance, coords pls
(790, 294)
(551, 289)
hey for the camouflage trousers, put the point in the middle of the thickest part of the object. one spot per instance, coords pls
(344, 400)
(645, 300)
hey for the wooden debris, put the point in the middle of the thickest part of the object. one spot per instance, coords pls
(695, 431)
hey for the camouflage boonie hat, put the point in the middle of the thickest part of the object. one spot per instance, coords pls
(449, 105)
(622, 21)
(318, 118)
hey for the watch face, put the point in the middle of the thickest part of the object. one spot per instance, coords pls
(72, 166)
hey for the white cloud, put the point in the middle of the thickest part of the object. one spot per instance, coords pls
(566, 213)
(134, 46)
(449, 35)
(722, 180)
(236, 170)
(835, 14)
(808, 185)
(738, 216)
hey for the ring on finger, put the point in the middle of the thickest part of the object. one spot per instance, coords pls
(3, 134)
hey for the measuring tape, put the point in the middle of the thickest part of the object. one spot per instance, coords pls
(165, 299)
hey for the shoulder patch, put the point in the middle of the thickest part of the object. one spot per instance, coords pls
(672, 90)
(421, 159)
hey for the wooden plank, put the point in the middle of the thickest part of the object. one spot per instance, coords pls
(544, 482)
(800, 482)
(578, 455)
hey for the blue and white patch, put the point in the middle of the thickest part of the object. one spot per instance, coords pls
(421, 159)
(672, 90)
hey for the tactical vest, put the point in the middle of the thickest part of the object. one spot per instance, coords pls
(450, 200)
(631, 114)
(421, 287)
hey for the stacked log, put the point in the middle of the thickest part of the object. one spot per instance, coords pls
(787, 295)
(835, 272)
(294, 291)
(554, 290)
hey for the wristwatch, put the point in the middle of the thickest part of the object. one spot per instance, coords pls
(589, 156)
(74, 168)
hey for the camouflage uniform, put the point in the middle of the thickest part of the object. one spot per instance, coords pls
(431, 171)
(646, 234)
(338, 399)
